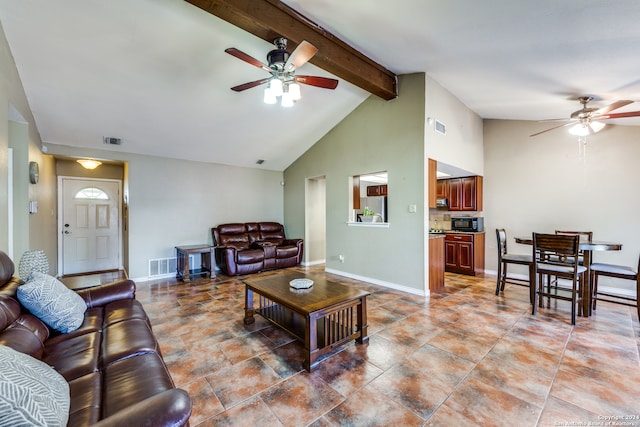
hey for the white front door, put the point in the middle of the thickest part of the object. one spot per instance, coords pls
(90, 225)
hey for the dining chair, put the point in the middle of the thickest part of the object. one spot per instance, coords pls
(585, 236)
(618, 272)
(557, 255)
(505, 258)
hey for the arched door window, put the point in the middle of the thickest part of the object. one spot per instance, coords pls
(91, 193)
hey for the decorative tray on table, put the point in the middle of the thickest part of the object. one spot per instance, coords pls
(301, 283)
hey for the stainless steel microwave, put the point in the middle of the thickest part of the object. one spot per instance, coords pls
(467, 224)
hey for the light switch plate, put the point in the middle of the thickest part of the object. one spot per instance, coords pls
(413, 209)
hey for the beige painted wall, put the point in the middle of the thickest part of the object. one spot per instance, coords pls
(316, 207)
(66, 167)
(19, 143)
(15, 107)
(540, 184)
(462, 146)
(378, 135)
(176, 202)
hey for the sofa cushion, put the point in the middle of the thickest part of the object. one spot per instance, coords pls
(127, 338)
(93, 321)
(75, 356)
(31, 392)
(250, 256)
(238, 241)
(22, 340)
(86, 400)
(272, 232)
(52, 302)
(124, 385)
(286, 251)
(123, 309)
(6, 268)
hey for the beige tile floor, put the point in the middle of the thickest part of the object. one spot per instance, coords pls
(461, 357)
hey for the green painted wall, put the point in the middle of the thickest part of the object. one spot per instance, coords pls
(379, 135)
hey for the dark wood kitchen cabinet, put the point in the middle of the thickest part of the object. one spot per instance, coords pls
(377, 190)
(432, 174)
(356, 192)
(436, 262)
(464, 194)
(464, 253)
(442, 189)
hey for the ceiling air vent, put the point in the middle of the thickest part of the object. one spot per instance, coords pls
(112, 141)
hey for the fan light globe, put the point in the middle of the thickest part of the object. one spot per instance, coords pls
(584, 129)
(294, 90)
(276, 87)
(269, 97)
(597, 126)
(287, 100)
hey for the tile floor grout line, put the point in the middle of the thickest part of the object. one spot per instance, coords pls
(464, 378)
(555, 374)
(461, 290)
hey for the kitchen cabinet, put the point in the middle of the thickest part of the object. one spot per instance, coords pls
(442, 189)
(377, 190)
(436, 263)
(464, 253)
(463, 194)
(432, 176)
(356, 192)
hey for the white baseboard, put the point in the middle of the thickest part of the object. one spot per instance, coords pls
(151, 279)
(309, 264)
(390, 285)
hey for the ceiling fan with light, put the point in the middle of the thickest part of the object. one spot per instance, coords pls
(283, 82)
(588, 120)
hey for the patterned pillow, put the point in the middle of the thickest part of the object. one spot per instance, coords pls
(52, 302)
(32, 393)
(33, 261)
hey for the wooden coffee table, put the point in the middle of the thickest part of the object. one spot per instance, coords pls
(323, 317)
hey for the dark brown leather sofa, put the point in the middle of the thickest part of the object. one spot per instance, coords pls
(244, 248)
(112, 362)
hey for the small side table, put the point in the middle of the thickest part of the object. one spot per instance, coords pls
(185, 273)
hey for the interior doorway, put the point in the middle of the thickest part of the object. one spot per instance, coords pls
(89, 225)
(315, 220)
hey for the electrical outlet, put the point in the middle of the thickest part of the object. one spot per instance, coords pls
(413, 209)
(341, 258)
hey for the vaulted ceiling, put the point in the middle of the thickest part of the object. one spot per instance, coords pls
(154, 72)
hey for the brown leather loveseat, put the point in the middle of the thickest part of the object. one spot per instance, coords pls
(244, 248)
(112, 362)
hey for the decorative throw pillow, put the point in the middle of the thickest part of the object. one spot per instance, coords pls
(52, 302)
(32, 393)
(33, 261)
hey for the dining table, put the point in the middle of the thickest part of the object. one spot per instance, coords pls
(587, 247)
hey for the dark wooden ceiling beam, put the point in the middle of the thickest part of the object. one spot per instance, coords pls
(269, 19)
